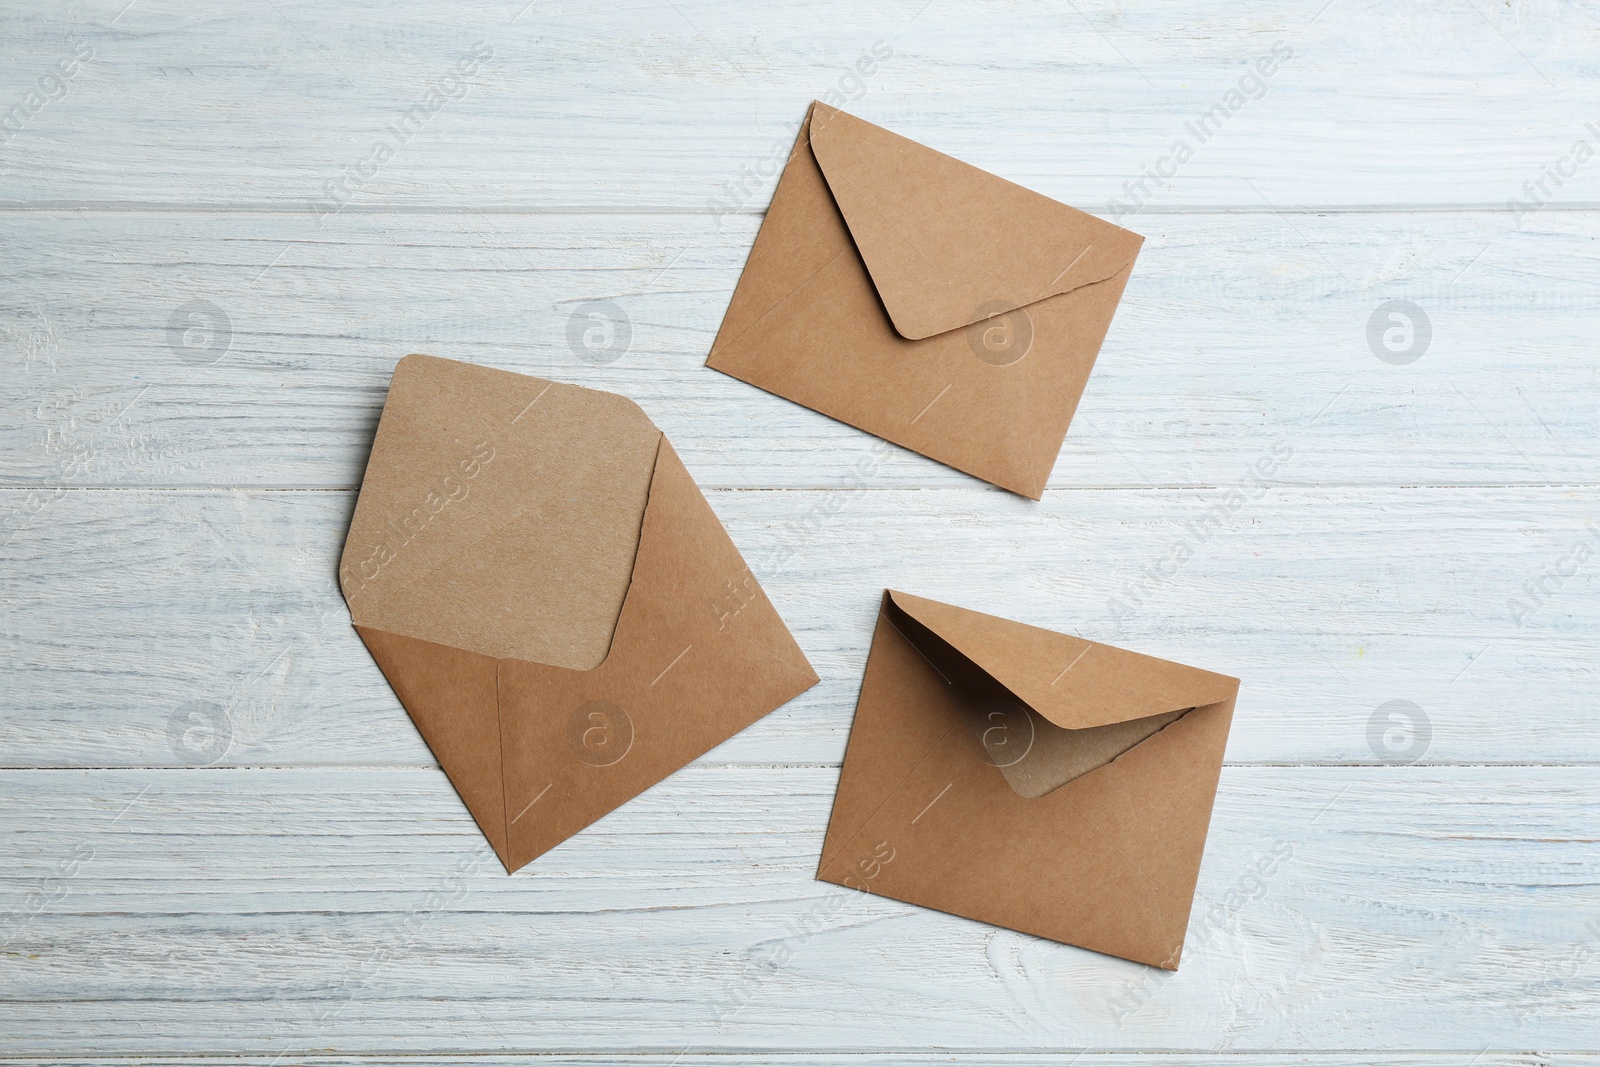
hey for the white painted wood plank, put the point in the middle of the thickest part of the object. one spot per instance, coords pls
(123, 612)
(1441, 908)
(662, 105)
(358, 911)
(1071, 1058)
(1238, 334)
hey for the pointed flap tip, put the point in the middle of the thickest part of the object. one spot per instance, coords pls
(1071, 682)
(946, 243)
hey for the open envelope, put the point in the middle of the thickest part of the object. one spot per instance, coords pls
(924, 300)
(1029, 779)
(552, 599)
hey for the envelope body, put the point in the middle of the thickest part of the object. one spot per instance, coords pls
(1029, 779)
(924, 300)
(552, 599)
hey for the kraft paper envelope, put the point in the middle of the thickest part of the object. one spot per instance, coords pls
(924, 300)
(1029, 779)
(552, 599)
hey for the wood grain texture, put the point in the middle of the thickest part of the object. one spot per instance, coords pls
(1328, 603)
(1237, 332)
(810, 1059)
(663, 105)
(1333, 904)
(990, 1059)
(223, 842)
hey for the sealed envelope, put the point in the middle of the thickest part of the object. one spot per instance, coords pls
(1029, 779)
(552, 599)
(924, 300)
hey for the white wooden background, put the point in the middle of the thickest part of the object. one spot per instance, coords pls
(306, 888)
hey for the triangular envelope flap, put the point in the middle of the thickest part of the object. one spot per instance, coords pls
(1108, 862)
(1073, 683)
(691, 582)
(700, 653)
(452, 696)
(739, 661)
(499, 513)
(948, 244)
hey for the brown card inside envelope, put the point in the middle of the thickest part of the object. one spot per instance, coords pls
(552, 599)
(924, 300)
(1098, 844)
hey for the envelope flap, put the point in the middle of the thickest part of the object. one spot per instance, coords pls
(1072, 683)
(499, 513)
(453, 698)
(948, 244)
(700, 653)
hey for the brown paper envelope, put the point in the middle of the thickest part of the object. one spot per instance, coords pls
(963, 715)
(552, 599)
(924, 300)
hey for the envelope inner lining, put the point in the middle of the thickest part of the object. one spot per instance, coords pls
(1058, 756)
(1035, 756)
